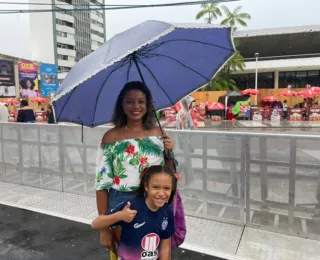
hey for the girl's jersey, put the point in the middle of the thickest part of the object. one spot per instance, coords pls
(140, 239)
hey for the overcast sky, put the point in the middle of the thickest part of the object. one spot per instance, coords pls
(265, 14)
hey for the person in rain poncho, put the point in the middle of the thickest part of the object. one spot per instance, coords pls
(184, 122)
(183, 118)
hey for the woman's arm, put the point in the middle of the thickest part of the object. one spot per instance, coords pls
(105, 221)
(165, 249)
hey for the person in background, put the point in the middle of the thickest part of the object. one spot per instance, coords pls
(4, 114)
(50, 115)
(184, 122)
(183, 119)
(26, 113)
(285, 109)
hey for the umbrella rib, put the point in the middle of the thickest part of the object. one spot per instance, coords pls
(124, 62)
(187, 67)
(153, 47)
(128, 71)
(151, 73)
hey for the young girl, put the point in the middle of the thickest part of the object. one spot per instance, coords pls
(147, 220)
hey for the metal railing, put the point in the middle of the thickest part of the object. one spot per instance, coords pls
(261, 180)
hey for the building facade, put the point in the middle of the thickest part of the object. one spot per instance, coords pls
(77, 33)
(287, 56)
(65, 37)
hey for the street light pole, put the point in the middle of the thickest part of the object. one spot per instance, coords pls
(256, 82)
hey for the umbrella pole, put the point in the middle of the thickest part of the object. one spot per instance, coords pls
(142, 79)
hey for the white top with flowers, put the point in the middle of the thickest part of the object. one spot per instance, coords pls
(120, 164)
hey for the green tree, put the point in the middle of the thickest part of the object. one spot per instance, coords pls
(210, 10)
(221, 82)
(234, 18)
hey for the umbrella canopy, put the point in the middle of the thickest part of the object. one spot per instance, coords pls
(215, 106)
(271, 99)
(11, 101)
(251, 92)
(172, 59)
(39, 100)
(307, 93)
(315, 89)
(288, 93)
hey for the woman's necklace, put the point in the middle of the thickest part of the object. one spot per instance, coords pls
(144, 132)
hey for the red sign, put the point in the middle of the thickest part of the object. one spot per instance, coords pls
(295, 114)
(314, 114)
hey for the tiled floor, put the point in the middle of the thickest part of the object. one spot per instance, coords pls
(204, 236)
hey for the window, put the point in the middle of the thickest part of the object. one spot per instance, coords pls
(63, 69)
(96, 23)
(298, 79)
(65, 46)
(62, 57)
(244, 81)
(65, 1)
(65, 23)
(97, 33)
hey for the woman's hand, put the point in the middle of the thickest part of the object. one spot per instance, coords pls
(168, 143)
(107, 240)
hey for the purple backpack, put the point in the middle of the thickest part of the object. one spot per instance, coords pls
(179, 222)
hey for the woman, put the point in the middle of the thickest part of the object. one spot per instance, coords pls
(25, 114)
(50, 115)
(27, 86)
(133, 144)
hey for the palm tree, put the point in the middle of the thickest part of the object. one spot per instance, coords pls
(221, 82)
(211, 10)
(234, 18)
(236, 62)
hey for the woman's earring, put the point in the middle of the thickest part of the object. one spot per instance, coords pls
(145, 194)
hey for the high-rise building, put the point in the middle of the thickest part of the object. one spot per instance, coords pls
(77, 33)
(62, 37)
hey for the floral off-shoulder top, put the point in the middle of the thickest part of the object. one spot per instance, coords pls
(120, 164)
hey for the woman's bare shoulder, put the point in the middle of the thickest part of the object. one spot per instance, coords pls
(112, 135)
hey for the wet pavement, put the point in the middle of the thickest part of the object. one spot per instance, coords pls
(27, 235)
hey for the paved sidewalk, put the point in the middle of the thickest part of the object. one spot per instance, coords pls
(216, 239)
(29, 235)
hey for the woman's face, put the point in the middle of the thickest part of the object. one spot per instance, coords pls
(135, 105)
(29, 84)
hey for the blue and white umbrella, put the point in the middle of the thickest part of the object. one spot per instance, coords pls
(173, 60)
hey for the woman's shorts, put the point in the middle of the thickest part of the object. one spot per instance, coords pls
(117, 197)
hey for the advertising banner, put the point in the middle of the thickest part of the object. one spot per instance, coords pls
(28, 78)
(7, 82)
(49, 79)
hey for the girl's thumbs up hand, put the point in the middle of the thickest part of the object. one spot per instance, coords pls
(127, 215)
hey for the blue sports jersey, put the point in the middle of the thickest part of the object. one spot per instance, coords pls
(140, 239)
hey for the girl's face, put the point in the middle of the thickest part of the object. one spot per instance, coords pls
(158, 190)
(135, 105)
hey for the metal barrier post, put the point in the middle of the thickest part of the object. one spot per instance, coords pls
(292, 177)
(263, 170)
(40, 156)
(245, 147)
(20, 153)
(61, 156)
(205, 175)
(2, 155)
